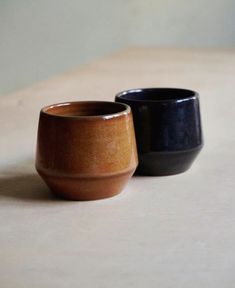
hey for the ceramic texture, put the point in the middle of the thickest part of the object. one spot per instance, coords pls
(86, 150)
(167, 126)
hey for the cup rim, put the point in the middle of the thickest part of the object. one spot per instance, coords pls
(125, 111)
(192, 95)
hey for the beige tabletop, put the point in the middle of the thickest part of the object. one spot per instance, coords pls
(176, 231)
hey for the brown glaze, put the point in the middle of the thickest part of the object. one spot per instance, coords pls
(86, 150)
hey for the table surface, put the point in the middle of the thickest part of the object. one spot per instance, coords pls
(176, 231)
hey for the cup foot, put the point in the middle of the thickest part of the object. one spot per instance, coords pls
(85, 189)
(166, 163)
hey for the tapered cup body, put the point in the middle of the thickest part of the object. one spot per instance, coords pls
(86, 150)
(167, 126)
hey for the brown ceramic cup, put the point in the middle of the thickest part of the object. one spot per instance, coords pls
(86, 150)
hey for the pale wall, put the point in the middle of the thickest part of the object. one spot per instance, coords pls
(45, 37)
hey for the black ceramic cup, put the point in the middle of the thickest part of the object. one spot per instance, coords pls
(167, 126)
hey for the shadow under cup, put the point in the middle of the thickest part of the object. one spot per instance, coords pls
(167, 126)
(86, 150)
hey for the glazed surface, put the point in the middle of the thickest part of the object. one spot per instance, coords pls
(166, 120)
(90, 147)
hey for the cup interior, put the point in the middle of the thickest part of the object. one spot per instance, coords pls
(86, 108)
(157, 94)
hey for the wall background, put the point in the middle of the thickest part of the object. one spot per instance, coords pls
(45, 37)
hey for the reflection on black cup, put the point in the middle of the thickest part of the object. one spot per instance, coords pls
(167, 126)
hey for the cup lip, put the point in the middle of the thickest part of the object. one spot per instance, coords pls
(126, 110)
(121, 95)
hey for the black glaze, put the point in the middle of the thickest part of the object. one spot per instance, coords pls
(167, 126)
